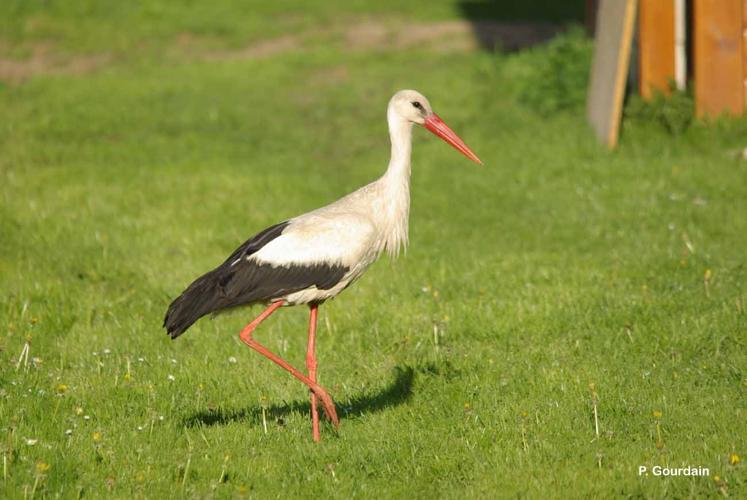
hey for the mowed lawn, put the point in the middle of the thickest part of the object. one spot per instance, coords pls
(558, 282)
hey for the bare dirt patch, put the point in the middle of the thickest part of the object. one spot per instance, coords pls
(357, 35)
(43, 60)
(376, 34)
(258, 50)
(456, 35)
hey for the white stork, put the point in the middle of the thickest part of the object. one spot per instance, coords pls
(315, 256)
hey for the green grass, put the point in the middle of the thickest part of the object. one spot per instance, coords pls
(460, 370)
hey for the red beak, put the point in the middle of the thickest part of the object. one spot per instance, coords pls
(438, 127)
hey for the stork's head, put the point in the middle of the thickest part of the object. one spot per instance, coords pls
(412, 106)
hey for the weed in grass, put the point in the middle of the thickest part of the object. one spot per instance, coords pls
(657, 422)
(39, 477)
(557, 74)
(594, 405)
(673, 111)
(23, 358)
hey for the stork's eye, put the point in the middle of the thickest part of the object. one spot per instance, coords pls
(417, 105)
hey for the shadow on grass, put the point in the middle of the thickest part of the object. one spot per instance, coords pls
(395, 394)
(509, 25)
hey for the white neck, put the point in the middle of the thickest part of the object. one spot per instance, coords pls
(400, 134)
(395, 185)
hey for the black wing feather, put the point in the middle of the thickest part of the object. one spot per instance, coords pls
(256, 242)
(241, 280)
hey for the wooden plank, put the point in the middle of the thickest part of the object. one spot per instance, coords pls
(609, 69)
(744, 53)
(680, 44)
(719, 81)
(656, 45)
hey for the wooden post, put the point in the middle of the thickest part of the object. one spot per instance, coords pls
(744, 52)
(656, 45)
(609, 68)
(719, 57)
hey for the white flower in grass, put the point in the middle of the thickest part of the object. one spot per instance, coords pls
(31, 441)
(232, 360)
(107, 351)
(171, 377)
(68, 432)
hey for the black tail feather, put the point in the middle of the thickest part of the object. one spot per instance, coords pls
(199, 299)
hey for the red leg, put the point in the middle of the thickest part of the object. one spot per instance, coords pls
(311, 367)
(246, 337)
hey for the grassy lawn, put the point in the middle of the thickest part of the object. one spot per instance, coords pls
(557, 280)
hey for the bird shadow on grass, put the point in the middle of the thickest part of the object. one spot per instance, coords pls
(396, 393)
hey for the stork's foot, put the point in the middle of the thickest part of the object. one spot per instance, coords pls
(327, 405)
